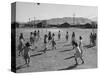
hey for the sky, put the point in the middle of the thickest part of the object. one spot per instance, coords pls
(25, 10)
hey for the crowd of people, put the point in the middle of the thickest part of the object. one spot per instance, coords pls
(25, 47)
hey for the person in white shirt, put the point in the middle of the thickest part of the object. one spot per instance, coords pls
(78, 53)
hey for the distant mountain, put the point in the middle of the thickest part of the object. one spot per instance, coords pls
(58, 21)
(94, 19)
(78, 20)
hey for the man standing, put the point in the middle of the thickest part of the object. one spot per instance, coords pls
(59, 35)
(73, 39)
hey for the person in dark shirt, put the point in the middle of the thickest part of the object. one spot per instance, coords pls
(91, 38)
(73, 39)
(35, 34)
(95, 37)
(53, 42)
(38, 35)
(59, 35)
(49, 37)
(66, 36)
(45, 42)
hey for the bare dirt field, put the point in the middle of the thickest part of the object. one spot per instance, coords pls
(60, 58)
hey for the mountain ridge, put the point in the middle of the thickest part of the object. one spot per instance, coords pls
(57, 21)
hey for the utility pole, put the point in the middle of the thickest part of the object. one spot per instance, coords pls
(74, 19)
(34, 21)
(29, 21)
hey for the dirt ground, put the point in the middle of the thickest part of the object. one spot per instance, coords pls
(61, 58)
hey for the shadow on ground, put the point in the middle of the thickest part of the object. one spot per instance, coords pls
(69, 57)
(89, 46)
(66, 50)
(21, 66)
(69, 68)
(68, 45)
(36, 54)
(45, 50)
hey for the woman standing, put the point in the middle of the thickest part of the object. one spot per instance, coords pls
(21, 43)
(78, 53)
(73, 39)
(53, 42)
(66, 36)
